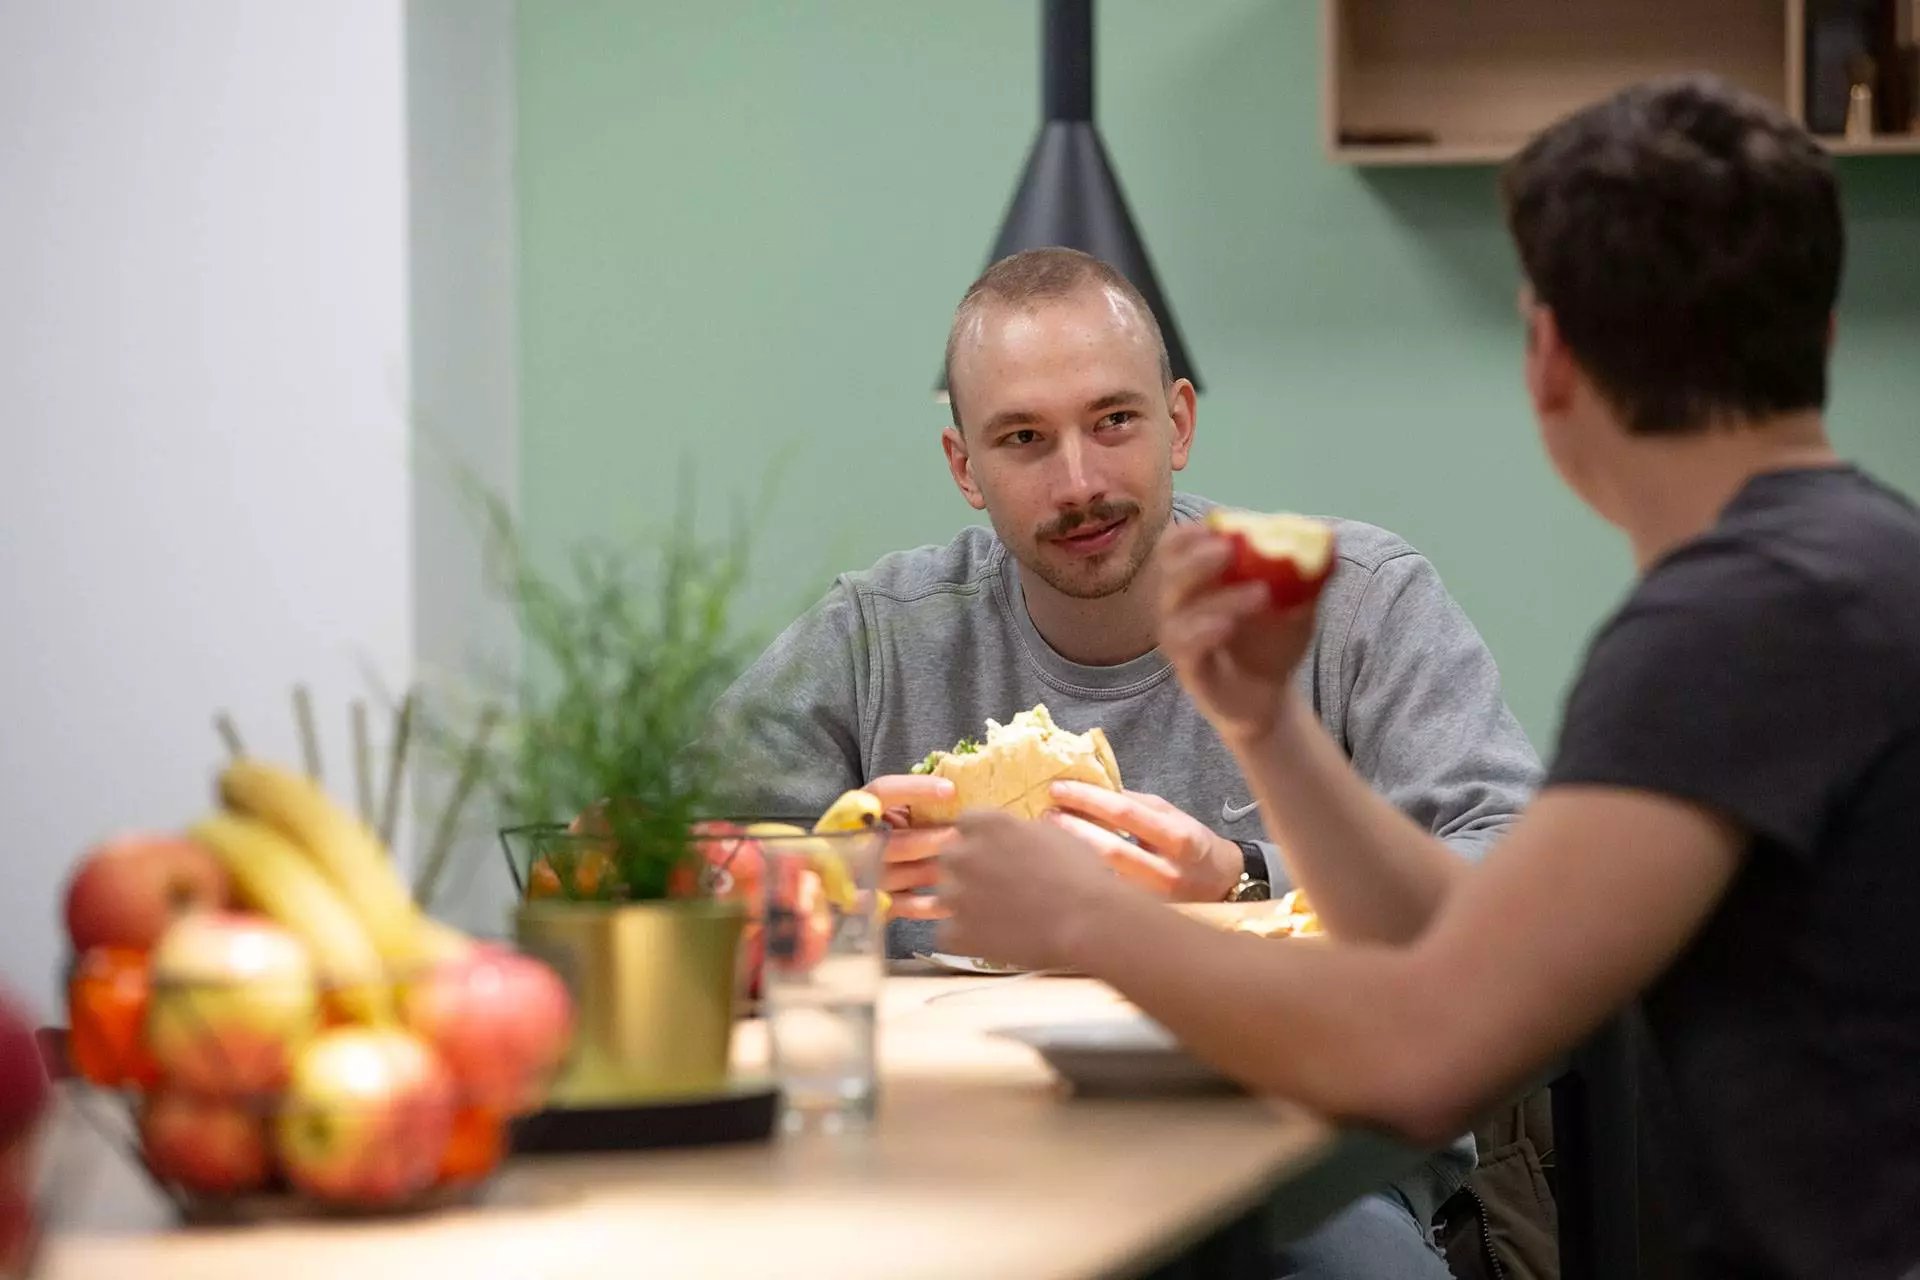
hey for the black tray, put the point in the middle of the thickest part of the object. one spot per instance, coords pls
(743, 1114)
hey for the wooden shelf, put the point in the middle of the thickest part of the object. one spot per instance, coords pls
(1886, 144)
(1414, 155)
(1480, 78)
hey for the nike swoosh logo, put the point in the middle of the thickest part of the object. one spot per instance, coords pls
(1232, 814)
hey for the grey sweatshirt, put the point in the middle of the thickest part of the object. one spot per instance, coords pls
(918, 651)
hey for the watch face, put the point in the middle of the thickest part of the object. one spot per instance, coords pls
(1251, 890)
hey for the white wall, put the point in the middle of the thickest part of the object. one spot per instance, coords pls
(461, 129)
(204, 483)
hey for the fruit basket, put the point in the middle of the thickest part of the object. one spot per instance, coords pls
(271, 1097)
(272, 1028)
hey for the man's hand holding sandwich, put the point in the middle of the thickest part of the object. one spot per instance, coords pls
(1032, 767)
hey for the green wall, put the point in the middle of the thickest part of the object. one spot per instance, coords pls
(744, 226)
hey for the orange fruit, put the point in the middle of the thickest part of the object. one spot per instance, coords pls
(543, 881)
(475, 1146)
(590, 872)
(106, 1015)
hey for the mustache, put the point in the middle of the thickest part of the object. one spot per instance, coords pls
(1100, 513)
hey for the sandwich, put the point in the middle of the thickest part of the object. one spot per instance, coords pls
(1015, 766)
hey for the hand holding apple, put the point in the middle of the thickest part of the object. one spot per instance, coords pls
(1234, 648)
(1292, 554)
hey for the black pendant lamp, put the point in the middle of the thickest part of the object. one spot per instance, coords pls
(1068, 194)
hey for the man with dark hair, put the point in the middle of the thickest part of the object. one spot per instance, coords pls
(1068, 429)
(1721, 317)
(1731, 827)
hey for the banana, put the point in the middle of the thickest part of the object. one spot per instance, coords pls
(853, 811)
(835, 883)
(344, 848)
(443, 943)
(272, 874)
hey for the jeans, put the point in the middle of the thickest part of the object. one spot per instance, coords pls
(1372, 1239)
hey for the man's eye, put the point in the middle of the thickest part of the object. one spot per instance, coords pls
(1020, 437)
(1118, 418)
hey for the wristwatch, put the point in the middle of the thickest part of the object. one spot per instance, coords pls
(1253, 885)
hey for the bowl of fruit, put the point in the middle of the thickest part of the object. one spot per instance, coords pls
(279, 1030)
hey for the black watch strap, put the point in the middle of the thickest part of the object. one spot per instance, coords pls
(1255, 880)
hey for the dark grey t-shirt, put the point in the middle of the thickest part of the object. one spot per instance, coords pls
(1770, 670)
(918, 651)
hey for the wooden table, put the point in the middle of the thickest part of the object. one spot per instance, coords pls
(978, 1166)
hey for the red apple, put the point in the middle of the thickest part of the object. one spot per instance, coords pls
(127, 891)
(19, 1230)
(23, 1100)
(23, 1078)
(736, 866)
(234, 998)
(367, 1116)
(1292, 554)
(500, 1020)
(205, 1144)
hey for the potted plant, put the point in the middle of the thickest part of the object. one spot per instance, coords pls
(605, 761)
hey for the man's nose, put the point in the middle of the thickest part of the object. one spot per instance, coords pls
(1078, 481)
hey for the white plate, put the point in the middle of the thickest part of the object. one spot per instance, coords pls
(1116, 1057)
(970, 964)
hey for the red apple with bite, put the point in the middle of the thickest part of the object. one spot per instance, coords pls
(366, 1117)
(205, 1144)
(128, 890)
(1292, 554)
(500, 1020)
(234, 998)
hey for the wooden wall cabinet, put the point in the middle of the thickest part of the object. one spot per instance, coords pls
(1467, 81)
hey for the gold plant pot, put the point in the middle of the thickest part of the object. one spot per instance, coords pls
(653, 988)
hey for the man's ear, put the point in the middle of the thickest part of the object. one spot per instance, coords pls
(1183, 408)
(1553, 375)
(962, 468)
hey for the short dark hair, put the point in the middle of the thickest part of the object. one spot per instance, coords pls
(1687, 238)
(1046, 275)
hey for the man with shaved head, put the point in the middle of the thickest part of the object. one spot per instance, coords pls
(1068, 427)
